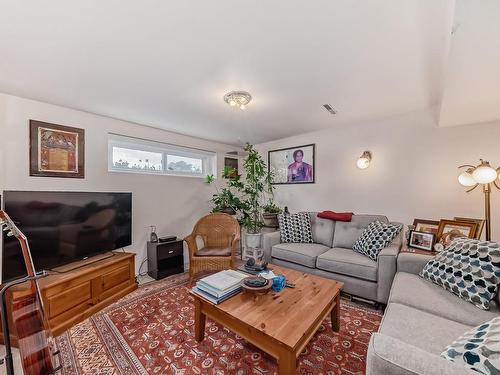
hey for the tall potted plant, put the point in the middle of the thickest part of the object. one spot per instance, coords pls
(226, 198)
(256, 185)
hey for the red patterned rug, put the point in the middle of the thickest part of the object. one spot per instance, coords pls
(151, 331)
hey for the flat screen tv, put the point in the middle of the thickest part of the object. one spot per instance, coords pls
(63, 227)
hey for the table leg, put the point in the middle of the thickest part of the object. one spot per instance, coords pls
(199, 321)
(335, 314)
(287, 363)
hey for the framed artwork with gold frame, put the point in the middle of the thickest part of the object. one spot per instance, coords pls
(56, 150)
(450, 229)
(424, 225)
(480, 225)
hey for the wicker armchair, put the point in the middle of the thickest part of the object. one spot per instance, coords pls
(218, 236)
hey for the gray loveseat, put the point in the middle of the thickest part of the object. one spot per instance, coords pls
(421, 319)
(331, 256)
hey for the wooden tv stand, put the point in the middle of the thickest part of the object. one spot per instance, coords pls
(82, 288)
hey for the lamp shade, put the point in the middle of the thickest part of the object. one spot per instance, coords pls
(484, 173)
(466, 179)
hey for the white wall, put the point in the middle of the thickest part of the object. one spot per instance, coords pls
(171, 203)
(413, 172)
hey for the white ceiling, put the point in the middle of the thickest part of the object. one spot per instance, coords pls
(472, 84)
(168, 63)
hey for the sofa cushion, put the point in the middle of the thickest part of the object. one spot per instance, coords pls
(426, 331)
(478, 348)
(347, 262)
(322, 230)
(213, 251)
(412, 290)
(468, 268)
(295, 228)
(376, 237)
(300, 253)
(346, 233)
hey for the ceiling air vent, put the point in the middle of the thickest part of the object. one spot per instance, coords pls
(330, 109)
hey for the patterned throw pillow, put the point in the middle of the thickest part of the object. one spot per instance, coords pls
(295, 228)
(468, 268)
(478, 348)
(376, 237)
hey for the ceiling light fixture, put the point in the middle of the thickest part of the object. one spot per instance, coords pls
(238, 99)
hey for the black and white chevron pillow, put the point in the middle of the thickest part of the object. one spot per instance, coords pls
(376, 237)
(295, 228)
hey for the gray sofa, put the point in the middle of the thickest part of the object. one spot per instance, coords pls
(421, 319)
(331, 256)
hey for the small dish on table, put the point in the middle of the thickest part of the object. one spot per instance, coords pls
(256, 285)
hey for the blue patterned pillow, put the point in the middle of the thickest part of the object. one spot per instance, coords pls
(376, 237)
(478, 348)
(468, 268)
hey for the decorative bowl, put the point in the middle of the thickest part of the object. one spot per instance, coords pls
(264, 289)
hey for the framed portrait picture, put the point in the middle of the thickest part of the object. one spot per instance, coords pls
(293, 165)
(451, 229)
(422, 240)
(480, 225)
(427, 226)
(56, 150)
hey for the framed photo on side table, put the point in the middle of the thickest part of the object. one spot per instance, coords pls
(422, 240)
(56, 150)
(293, 165)
(427, 226)
(451, 229)
(480, 225)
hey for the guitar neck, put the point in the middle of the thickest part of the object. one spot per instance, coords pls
(13, 230)
(25, 249)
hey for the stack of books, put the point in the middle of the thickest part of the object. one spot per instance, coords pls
(220, 286)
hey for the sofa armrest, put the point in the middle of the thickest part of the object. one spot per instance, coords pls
(390, 356)
(393, 249)
(268, 241)
(412, 263)
(386, 268)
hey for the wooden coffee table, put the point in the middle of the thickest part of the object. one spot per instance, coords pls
(281, 324)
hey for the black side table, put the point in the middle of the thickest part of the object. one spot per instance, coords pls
(165, 258)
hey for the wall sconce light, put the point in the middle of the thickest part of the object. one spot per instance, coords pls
(364, 160)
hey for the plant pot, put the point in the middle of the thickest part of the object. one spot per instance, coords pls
(253, 240)
(229, 211)
(270, 219)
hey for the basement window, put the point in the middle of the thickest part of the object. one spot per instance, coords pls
(135, 155)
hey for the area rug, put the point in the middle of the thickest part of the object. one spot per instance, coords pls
(151, 331)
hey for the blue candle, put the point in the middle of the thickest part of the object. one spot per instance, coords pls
(279, 283)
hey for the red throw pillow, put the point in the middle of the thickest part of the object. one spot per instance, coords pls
(337, 216)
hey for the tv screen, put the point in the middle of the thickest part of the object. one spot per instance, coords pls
(63, 227)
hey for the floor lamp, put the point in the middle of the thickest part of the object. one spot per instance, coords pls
(486, 176)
